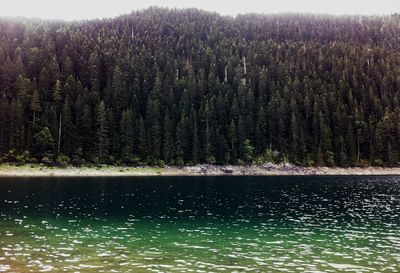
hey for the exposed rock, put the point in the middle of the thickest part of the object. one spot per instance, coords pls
(194, 170)
(268, 166)
(228, 170)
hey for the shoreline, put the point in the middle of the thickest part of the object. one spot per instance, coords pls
(35, 170)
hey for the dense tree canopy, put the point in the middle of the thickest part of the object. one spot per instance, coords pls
(187, 86)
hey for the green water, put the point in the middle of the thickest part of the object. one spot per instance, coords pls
(200, 224)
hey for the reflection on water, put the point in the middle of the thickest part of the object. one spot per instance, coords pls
(200, 224)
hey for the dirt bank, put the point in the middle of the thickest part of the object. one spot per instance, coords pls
(200, 170)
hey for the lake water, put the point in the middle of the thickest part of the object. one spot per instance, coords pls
(200, 224)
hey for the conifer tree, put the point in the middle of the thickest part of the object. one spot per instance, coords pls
(35, 106)
(127, 135)
(142, 139)
(88, 133)
(17, 127)
(57, 96)
(195, 156)
(102, 133)
(167, 139)
(68, 139)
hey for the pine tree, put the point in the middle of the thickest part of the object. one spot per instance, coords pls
(361, 133)
(167, 139)
(351, 145)
(154, 132)
(118, 91)
(23, 86)
(4, 125)
(35, 105)
(181, 140)
(94, 71)
(261, 131)
(142, 139)
(248, 151)
(43, 143)
(57, 96)
(114, 146)
(87, 134)
(68, 139)
(102, 133)
(127, 135)
(195, 156)
(295, 135)
(233, 142)
(17, 127)
(208, 147)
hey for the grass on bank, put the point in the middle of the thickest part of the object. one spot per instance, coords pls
(4, 167)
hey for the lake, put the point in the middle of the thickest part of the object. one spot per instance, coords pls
(200, 224)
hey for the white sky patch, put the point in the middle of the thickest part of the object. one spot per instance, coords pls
(89, 9)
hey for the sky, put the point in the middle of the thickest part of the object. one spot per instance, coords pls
(90, 9)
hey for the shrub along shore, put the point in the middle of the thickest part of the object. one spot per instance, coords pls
(37, 170)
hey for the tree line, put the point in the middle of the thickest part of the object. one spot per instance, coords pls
(165, 86)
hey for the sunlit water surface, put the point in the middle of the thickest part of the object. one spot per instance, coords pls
(200, 224)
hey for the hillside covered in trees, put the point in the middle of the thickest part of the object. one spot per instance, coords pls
(187, 86)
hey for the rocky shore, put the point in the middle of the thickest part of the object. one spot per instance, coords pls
(199, 170)
(286, 169)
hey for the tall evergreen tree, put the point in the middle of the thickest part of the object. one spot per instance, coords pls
(102, 133)
(167, 139)
(35, 106)
(127, 135)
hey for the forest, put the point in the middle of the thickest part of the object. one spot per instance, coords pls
(168, 86)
